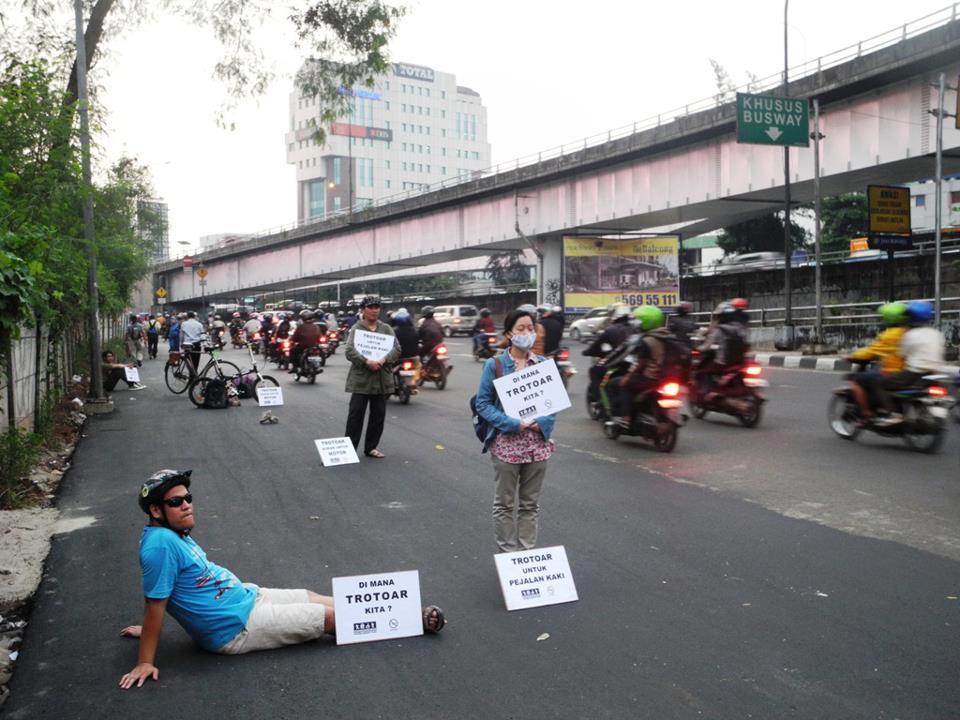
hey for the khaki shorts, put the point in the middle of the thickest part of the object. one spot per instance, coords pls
(279, 617)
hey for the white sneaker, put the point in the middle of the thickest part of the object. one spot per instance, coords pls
(138, 386)
(888, 420)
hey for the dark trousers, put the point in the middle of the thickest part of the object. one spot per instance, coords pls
(893, 382)
(152, 341)
(627, 389)
(378, 412)
(193, 350)
(112, 376)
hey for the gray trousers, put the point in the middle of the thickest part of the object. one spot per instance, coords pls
(516, 492)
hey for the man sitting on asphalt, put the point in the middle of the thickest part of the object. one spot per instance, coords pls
(219, 612)
(114, 372)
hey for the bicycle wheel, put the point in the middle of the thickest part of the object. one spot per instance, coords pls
(264, 381)
(197, 389)
(177, 377)
(227, 370)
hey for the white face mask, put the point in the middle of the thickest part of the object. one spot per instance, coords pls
(523, 341)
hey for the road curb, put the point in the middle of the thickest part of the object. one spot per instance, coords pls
(813, 362)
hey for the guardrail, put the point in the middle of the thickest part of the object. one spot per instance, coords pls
(568, 151)
(862, 313)
(926, 247)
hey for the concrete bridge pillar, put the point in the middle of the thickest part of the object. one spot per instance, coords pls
(550, 270)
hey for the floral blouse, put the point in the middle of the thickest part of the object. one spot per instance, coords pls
(526, 446)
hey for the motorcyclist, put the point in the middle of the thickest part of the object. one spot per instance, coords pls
(218, 329)
(266, 329)
(682, 325)
(430, 332)
(251, 327)
(886, 349)
(408, 338)
(482, 327)
(283, 327)
(306, 335)
(235, 325)
(615, 334)
(643, 374)
(725, 346)
(551, 318)
(922, 347)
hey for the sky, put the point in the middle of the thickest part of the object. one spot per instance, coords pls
(549, 73)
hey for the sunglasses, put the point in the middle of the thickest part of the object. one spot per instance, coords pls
(178, 500)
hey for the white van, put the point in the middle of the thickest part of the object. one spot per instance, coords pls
(456, 319)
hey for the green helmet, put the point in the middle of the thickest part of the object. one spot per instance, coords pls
(649, 316)
(894, 313)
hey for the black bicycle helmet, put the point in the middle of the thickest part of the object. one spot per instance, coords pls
(156, 486)
(427, 312)
(306, 315)
(370, 300)
(485, 312)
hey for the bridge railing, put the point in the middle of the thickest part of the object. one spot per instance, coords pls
(571, 154)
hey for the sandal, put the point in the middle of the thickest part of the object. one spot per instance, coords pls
(375, 454)
(434, 614)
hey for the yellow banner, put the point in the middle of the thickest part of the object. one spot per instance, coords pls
(637, 271)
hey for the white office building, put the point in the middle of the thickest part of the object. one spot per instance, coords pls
(153, 227)
(413, 130)
(923, 198)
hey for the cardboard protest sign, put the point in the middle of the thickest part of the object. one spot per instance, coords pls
(377, 607)
(133, 374)
(269, 396)
(534, 391)
(337, 451)
(373, 346)
(533, 578)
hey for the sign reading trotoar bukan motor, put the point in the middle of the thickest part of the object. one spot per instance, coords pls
(637, 271)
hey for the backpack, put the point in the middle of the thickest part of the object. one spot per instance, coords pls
(133, 331)
(215, 394)
(734, 345)
(677, 359)
(245, 385)
(152, 328)
(480, 425)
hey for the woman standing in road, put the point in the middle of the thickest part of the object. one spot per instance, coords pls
(519, 448)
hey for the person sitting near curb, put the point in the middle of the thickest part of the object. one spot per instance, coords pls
(114, 372)
(220, 613)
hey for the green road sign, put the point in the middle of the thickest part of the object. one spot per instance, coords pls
(773, 120)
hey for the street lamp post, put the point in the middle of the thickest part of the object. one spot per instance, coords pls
(787, 240)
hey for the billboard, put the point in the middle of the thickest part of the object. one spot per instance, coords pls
(636, 271)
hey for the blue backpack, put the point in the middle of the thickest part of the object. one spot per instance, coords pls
(480, 425)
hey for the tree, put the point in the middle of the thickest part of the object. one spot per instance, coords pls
(762, 234)
(507, 268)
(842, 217)
(722, 81)
(345, 42)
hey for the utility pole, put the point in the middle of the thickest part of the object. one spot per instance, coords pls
(817, 137)
(787, 243)
(940, 114)
(97, 396)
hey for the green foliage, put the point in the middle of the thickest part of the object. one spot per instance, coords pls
(507, 268)
(19, 452)
(842, 217)
(762, 234)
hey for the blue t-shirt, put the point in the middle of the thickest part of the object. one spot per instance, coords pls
(208, 601)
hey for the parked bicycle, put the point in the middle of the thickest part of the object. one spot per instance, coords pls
(182, 375)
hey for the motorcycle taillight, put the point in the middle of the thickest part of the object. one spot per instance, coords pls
(753, 370)
(492, 340)
(563, 355)
(937, 391)
(441, 350)
(407, 365)
(670, 389)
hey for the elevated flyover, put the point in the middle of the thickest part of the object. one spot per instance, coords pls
(688, 174)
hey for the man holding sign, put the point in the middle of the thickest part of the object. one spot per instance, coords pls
(371, 349)
(519, 444)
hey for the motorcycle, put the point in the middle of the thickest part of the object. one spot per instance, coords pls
(255, 343)
(435, 368)
(238, 339)
(925, 409)
(562, 358)
(405, 379)
(311, 363)
(737, 392)
(332, 341)
(657, 417)
(486, 348)
(278, 351)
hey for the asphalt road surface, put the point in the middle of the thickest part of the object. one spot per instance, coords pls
(778, 572)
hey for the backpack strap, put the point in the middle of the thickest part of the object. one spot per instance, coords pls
(497, 366)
